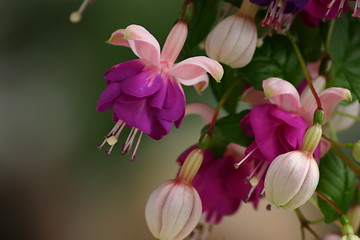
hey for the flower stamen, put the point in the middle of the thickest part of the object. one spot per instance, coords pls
(274, 14)
(237, 165)
(356, 9)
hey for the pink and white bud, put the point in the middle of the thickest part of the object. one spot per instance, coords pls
(291, 179)
(233, 41)
(173, 210)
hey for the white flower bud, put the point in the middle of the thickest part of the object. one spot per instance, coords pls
(173, 210)
(349, 237)
(233, 41)
(291, 179)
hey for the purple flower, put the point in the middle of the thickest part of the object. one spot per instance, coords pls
(222, 187)
(277, 9)
(146, 94)
(317, 10)
(274, 130)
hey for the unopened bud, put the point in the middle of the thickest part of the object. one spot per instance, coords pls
(312, 138)
(187, 11)
(233, 41)
(173, 210)
(191, 165)
(291, 179)
(347, 229)
(356, 151)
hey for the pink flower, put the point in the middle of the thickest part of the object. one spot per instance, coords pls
(146, 94)
(278, 125)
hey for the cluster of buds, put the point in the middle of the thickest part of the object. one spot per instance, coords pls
(174, 209)
(292, 177)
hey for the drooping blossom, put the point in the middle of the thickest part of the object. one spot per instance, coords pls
(221, 187)
(293, 177)
(146, 94)
(233, 40)
(321, 10)
(174, 209)
(278, 124)
(278, 10)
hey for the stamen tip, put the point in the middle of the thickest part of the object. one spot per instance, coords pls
(268, 207)
(75, 17)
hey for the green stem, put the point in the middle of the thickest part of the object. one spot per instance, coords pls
(355, 168)
(317, 221)
(304, 68)
(347, 115)
(329, 35)
(219, 106)
(305, 224)
(347, 145)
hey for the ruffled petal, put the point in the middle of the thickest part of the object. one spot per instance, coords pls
(124, 70)
(282, 93)
(174, 105)
(117, 38)
(143, 44)
(329, 99)
(196, 66)
(110, 93)
(139, 115)
(143, 84)
(200, 83)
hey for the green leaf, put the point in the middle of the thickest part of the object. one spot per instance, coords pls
(345, 53)
(205, 14)
(227, 130)
(229, 80)
(337, 183)
(276, 58)
(309, 40)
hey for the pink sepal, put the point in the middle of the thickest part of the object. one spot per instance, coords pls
(324, 147)
(329, 98)
(117, 38)
(202, 109)
(196, 66)
(174, 42)
(200, 83)
(253, 97)
(143, 44)
(282, 93)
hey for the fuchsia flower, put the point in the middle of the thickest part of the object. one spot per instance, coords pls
(146, 94)
(222, 187)
(278, 9)
(279, 125)
(317, 10)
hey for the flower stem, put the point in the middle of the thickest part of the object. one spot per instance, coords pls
(347, 145)
(330, 202)
(329, 35)
(347, 115)
(219, 106)
(304, 68)
(305, 224)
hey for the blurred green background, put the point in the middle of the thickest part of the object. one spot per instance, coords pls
(55, 184)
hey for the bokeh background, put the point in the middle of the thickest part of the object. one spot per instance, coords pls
(54, 183)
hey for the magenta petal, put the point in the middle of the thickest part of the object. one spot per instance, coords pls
(112, 91)
(138, 115)
(157, 100)
(174, 105)
(143, 84)
(124, 70)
